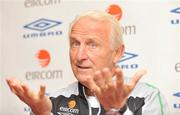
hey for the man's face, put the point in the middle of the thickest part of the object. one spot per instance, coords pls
(90, 48)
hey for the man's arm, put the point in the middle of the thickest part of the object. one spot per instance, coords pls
(155, 103)
(39, 103)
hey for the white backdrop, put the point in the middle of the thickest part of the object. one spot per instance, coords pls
(1, 56)
(34, 44)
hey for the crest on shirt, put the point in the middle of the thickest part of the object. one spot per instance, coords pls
(69, 109)
(71, 104)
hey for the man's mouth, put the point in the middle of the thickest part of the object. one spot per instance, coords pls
(83, 67)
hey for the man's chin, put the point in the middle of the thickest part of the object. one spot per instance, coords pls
(83, 77)
(84, 74)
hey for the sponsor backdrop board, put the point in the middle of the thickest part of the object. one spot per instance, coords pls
(34, 44)
(0, 55)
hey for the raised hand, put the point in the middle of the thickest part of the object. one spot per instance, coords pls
(39, 103)
(112, 93)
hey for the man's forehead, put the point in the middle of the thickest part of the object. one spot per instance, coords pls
(87, 26)
(85, 21)
(86, 37)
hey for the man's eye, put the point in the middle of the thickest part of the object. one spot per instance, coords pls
(75, 44)
(93, 45)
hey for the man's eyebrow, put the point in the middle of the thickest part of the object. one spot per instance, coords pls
(94, 38)
(72, 37)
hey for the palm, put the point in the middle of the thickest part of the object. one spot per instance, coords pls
(112, 93)
(38, 102)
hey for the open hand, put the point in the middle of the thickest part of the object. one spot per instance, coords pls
(39, 103)
(112, 93)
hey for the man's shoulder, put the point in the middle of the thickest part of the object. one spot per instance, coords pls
(67, 91)
(143, 89)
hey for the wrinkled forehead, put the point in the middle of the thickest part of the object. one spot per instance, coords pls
(91, 26)
(87, 20)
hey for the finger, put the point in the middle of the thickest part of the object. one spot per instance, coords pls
(119, 77)
(10, 84)
(99, 80)
(107, 76)
(25, 87)
(18, 90)
(27, 90)
(137, 76)
(90, 84)
(15, 86)
(42, 90)
(109, 92)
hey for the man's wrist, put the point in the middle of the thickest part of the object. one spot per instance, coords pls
(114, 111)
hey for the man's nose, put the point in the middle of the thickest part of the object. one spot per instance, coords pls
(82, 53)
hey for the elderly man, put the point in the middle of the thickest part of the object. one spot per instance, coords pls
(96, 45)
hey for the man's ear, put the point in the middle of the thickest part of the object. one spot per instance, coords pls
(118, 53)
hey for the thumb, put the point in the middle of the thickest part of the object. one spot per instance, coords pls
(42, 90)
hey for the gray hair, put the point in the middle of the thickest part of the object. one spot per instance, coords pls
(116, 30)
